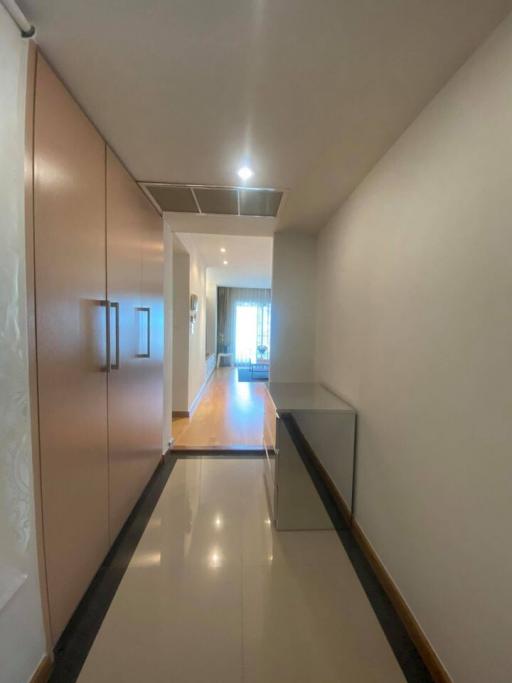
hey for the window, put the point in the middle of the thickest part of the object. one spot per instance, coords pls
(243, 323)
(246, 333)
(252, 330)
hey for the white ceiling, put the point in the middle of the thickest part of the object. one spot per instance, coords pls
(310, 93)
(249, 258)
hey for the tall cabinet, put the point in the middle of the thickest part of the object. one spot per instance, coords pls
(71, 286)
(136, 324)
(98, 255)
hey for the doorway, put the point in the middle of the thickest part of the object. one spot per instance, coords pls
(221, 344)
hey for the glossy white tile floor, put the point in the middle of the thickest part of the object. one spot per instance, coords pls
(213, 594)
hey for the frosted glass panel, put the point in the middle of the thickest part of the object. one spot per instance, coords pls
(21, 631)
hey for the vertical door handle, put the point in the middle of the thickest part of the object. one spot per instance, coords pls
(106, 304)
(144, 338)
(115, 306)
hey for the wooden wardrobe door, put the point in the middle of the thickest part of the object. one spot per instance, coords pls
(130, 461)
(153, 303)
(70, 283)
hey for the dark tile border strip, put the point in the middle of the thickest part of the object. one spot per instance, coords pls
(227, 453)
(403, 647)
(73, 646)
(76, 640)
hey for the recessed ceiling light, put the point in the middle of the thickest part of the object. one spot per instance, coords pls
(225, 263)
(245, 172)
(223, 250)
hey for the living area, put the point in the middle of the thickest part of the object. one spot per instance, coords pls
(221, 340)
(243, 331)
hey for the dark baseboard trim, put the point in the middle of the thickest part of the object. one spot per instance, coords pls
(181, 413)
(43, 671)
(75, 642)
(427, 653)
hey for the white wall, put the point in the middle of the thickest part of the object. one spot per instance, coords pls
(292, 334)
(197, 344)
(415, 329)
(180, 346)
(211, 313)
(22, 640)
(189, 355)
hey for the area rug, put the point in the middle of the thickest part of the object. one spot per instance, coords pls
(245, 375)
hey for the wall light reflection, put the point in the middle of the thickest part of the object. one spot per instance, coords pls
(215, 558)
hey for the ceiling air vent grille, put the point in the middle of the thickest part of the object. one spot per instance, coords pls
(227, 201)
(215, 200)
(179, 198)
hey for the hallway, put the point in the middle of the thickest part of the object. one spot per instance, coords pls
(230, 415)
(316, 198)
(213, 593)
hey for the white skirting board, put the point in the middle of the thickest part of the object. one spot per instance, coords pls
(210, 368)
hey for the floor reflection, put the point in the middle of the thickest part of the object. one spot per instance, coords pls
(215, 593)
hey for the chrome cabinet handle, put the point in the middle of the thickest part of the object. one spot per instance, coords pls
(145, 310)
(106, 304)
(114, 366)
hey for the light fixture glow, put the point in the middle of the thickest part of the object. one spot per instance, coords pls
(225, 262)
(223, 250)
(245, 173)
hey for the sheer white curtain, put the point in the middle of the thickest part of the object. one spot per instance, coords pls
(244, 323)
